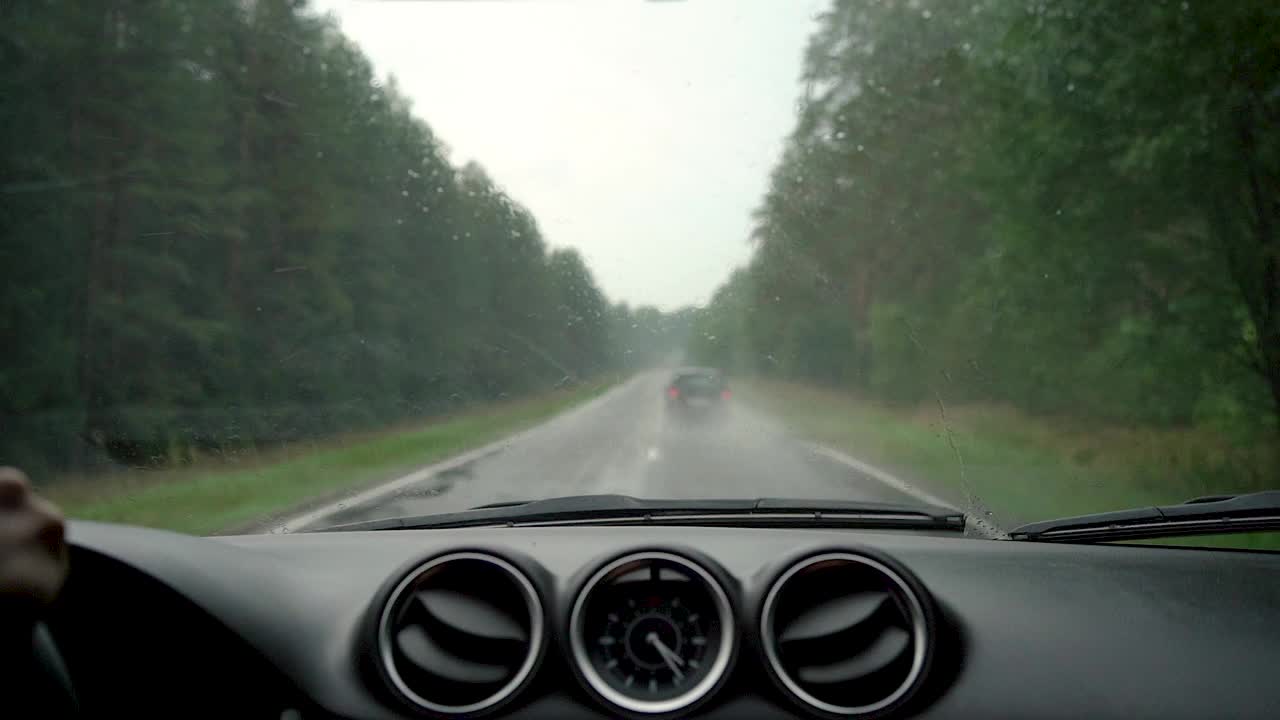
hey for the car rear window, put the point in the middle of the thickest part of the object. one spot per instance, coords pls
(699, 383)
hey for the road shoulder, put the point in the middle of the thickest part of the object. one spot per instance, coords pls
(312, 514)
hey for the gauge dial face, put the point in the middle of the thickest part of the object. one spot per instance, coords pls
(652, 630)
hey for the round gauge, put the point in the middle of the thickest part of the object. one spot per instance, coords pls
(652, 632)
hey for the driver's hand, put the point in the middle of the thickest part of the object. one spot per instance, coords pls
(33, 554)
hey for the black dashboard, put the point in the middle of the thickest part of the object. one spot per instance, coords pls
(707, 622)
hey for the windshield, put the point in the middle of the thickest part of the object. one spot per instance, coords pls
(274, 265)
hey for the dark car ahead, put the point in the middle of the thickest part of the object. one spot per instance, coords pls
(698, 392)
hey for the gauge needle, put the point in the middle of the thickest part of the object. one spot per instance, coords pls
(672, 660)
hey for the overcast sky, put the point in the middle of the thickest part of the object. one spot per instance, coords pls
(640, 133)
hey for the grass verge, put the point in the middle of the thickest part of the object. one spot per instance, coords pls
(1023, 468)
(219, 494)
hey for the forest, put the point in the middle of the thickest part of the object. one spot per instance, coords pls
(1071, 208)
(220, 228)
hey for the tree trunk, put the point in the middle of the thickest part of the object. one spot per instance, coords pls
(1265, 307)
(861, 295)
(94, 335)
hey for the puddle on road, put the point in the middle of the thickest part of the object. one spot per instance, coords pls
(440, 483)
(406, 501)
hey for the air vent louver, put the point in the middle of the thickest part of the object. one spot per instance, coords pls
(461, 633)
(846, 634)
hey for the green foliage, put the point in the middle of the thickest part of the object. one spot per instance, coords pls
(238, 493)
(220, 230)
(645, 336)
(1068, 208)
(1065, 206)
(1022, 468)
(900, 371)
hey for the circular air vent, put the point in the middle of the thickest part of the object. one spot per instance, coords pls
(461, 633)
(846, 634)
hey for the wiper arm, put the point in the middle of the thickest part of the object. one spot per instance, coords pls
(1212, 515)
(626, 510)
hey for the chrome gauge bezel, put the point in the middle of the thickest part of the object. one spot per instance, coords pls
(723, 651)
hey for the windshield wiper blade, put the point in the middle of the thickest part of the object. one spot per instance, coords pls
(626, 510)
(1211, 515)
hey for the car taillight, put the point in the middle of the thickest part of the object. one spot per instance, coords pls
(725, 394)
(673, 393)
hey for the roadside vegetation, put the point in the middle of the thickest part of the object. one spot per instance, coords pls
(1021, 468)
(1045, 233)
(225, 240)
(241, 489)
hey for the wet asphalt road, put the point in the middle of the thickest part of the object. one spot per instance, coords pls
(628, 442)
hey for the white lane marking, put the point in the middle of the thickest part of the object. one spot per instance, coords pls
(902, 486)
(653, 454)
(889, 479)
(302, 520)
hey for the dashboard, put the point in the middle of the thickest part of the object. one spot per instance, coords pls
(715, 622)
